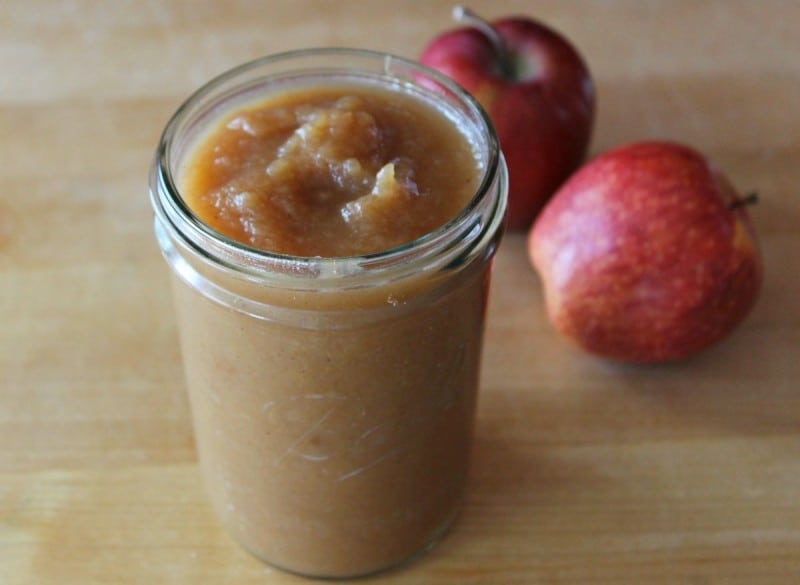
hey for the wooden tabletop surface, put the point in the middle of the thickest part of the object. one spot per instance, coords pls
(584, 471)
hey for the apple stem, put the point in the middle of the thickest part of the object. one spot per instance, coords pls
(750, 199)
(464, 15)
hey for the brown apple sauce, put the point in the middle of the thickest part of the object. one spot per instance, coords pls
(331, 171)
(331, 242)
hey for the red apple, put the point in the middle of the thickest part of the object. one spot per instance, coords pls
(538, 93)
(647, 254)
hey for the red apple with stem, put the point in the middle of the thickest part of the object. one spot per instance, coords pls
(647, 254)
(538, 93)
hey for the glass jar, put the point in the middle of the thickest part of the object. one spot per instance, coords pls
(332, 399)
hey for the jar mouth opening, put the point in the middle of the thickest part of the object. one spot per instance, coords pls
(219, 248)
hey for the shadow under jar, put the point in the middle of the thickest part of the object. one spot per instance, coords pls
(332, 398)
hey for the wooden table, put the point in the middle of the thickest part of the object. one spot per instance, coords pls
(584, 471)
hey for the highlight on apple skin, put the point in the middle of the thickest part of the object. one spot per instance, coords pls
(538, 92)
(647, 254)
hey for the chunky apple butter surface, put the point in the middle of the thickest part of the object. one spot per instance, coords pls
(334, 439)
(331, 172)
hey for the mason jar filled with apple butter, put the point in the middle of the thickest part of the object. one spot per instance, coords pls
(330, 217)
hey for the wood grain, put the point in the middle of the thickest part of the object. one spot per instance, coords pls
(584, 471)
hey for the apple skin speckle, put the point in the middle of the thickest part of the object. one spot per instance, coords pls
(642, 257)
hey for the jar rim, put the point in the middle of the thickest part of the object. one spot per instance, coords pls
(215, 247)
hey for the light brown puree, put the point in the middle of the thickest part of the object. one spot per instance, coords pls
(340, 449)
(331, 172)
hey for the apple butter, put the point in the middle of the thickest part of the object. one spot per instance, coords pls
(330, 230)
